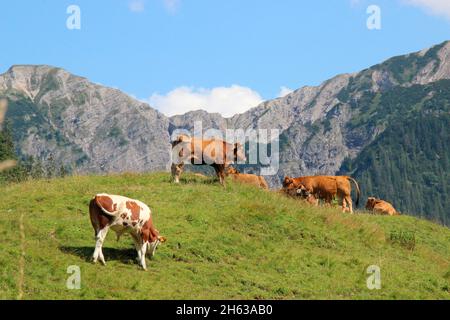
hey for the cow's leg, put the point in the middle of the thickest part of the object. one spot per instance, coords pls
(346, 202)
(177, 170)
(137, 245)
(348, 199)
(328, 201)
(220, 171)
(342, 201)
(143, 250)
(100, 238)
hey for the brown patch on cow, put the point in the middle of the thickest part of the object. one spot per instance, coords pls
(149, 232)
(135, 210)
(99, 219)
(106, 203)
(123, 215)
(134, 223)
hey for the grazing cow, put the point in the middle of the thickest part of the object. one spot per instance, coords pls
(325, 188)
(302, 193)
(381, 207)
(251, 179)
(216, 153)
(306, 195)
(123, 215)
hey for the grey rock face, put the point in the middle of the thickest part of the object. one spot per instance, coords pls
(97, 129)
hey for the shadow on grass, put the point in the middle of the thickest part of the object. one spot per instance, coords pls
(111, 254)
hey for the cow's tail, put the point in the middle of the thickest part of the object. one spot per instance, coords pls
(358, 190)
(110, 214)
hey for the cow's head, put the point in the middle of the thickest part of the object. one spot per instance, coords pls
(302, 191)
(152, 246)
(290, 187)
(371, 201)
(239, 153)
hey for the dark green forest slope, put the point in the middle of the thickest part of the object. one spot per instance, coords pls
(408, 164)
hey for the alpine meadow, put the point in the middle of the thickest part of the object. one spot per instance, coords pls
(208, 158)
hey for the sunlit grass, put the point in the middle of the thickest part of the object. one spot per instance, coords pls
(236, 242)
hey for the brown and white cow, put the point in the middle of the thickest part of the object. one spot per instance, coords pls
(197, 151)
(123, 215)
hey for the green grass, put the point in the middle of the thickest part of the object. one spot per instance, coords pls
(232, 243)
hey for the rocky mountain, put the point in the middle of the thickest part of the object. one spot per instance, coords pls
(82, 125)
(324, 129)
(322, 126)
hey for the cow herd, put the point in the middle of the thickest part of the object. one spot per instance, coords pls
(125, 215)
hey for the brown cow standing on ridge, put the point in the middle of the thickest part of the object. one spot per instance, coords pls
(251, 179)
(214, 152)
(381, 207)
(325, 188)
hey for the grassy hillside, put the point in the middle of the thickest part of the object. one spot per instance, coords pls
(237, 242)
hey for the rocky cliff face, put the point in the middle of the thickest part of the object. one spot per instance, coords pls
(321, 126)
(83, 125)
(98, 129)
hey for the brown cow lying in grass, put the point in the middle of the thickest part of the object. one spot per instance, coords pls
(251, 179)
(197, 151)
(381, 207)
(325, 188)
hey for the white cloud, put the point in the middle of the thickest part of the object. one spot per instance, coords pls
(437, 7)
(172, 5)
(227, 101)
(136, 5)
(284, 91)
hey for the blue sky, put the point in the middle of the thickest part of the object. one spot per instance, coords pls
(220, 55)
